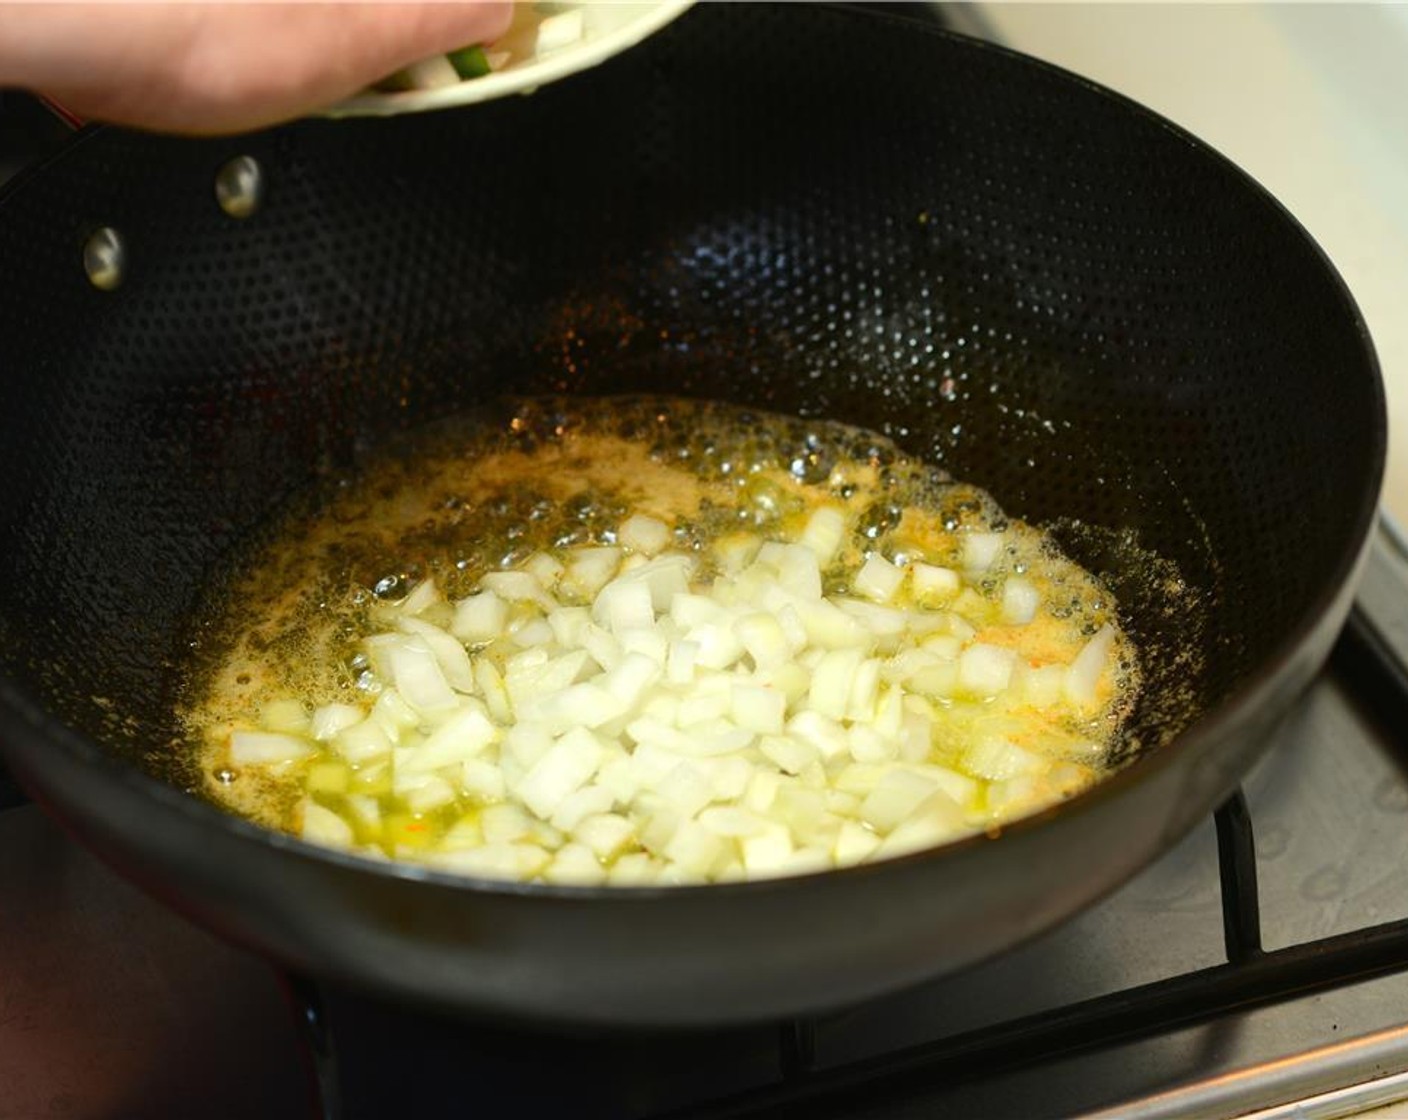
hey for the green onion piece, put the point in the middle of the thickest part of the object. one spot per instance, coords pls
(470, 62)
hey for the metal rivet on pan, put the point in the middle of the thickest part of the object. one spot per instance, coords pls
(104, 257)
(239, 186)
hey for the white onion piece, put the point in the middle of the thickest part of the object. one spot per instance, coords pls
(998, 759)
(479, 618)
(423, 596)
(824, 533)
(589, 801)
(937, 820)
(590, 569)
(483, 780)
(323, 826)
(1020, 601)
(329, 719)
(518, 587)
(686, 789)
(362, 742)
(435, 72)
(767, 853)
(898, 794)
(429, 795)
(535, 632)
(788, 754)
(624, 604)
(694, 849)
(959, 787)
(630, 678)
(460, 738)
(854, 843)
(827, 626)
(933, 585)
(395, 715)
(570, 762)
(263, 747)
(884, 623)
(980, 550)
(635, 870)
(418, 677)
(865, 687)
(530, 677)
(758, 708)
(653, 643)
(717, 647)
(575, 865)
(603, 716)
(367, 809)
(703, 708)
(726, 820)
(558, 32)
(643, 534)
(1083, 677)
(1042, 686)
(288, 716)
(831, 682)
(826, 735)
(665, 576)
(545, 569)
(569, 624)
(452, 656)
(984, 670)
(878, 579)
(491, 684)
(503, 824)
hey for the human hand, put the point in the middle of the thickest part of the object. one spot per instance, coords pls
(209, 68)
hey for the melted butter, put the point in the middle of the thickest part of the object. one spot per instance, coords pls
(483, 493)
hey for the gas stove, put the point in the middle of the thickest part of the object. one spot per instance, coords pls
(1259, 968)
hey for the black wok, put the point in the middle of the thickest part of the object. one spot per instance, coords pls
(1052, 292)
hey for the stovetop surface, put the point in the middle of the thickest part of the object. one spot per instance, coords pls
(111, 1006)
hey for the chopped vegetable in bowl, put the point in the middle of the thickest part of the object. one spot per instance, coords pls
(545, 42)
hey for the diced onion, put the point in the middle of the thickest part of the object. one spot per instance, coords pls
(1020, 601)
(262, 747)
(323, 826)
(985, 670)
(824, 533)
(604, 716)
(643, 534)
(1083, 677)
(980, 550)
(933, 584)
(878, 579)
(284, 715)
(479, 618)
(435, 72)
(559, 31)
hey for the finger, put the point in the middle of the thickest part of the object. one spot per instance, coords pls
(209, 68)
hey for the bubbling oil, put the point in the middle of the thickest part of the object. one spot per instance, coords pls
(484, 492)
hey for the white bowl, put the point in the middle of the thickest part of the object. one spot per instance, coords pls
(611, 28)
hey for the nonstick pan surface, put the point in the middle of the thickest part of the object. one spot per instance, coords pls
(1044, 288)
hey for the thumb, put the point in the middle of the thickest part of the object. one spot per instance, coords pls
(211, 68)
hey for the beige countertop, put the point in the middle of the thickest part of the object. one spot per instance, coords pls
(1310, 99)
